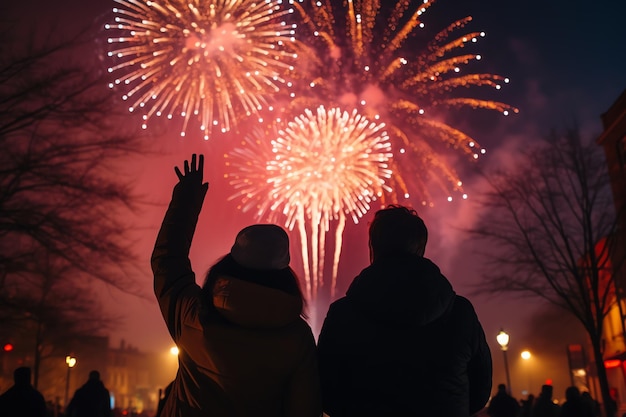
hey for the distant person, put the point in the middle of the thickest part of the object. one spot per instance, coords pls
(163, 398)
(401, 342)
(594, 404)
(527, 406)
(544, 404)
(502, 404)
(575, 405)
(245, 349)
(612, 405)
(22, 399)
(90, 400)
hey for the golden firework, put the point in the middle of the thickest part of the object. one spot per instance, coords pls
(211, 61)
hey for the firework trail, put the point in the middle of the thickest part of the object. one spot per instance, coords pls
(324, 165)
(363, 55)
(207, 60)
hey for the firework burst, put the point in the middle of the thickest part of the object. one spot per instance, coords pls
(360, 57)
(204, 60)
(324, 165)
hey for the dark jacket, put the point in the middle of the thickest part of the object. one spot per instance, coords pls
(402, 343)
(251, 356)
(90, 400)
(22, 400)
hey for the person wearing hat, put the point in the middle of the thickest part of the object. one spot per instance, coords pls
(244, 347)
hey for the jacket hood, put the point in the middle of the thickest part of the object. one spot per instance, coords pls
(253, 305)
(405, 290)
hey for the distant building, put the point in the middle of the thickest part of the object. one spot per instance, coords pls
(613, 140)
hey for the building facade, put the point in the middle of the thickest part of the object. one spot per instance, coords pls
(613, 141)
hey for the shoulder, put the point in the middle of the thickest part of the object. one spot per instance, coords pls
(463, 309)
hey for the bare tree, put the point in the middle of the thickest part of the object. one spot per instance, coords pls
(551, 219)
(63, 199)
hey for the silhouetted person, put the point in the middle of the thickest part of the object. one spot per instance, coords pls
(502, 404)
(544, 404)
(245, 349)
(595, 405)
(575, 405)
(166, 393)
(401, 342)
(612, 404)
(22, 399)
(90, 400)
(527, 406)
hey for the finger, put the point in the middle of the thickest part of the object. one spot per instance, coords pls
(201, 166)
(193, 162)
(187, 167)
(178, 173)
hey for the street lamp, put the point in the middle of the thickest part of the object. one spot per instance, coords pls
(71, 362)
(526, 356)
(503, 341)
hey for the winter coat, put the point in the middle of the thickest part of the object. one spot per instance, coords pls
(90, 400)
(254, 356)
(402, 343)
(22, 400)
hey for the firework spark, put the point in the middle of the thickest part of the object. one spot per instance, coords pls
(372, 67)
(210, 60)
(325, 165)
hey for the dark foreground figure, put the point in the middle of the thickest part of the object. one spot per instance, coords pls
(22, 399)
(90, 400)
(401, 342)
(245, 350)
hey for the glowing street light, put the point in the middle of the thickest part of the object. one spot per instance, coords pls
(174, 350)
(526, 356)
(503, 341)
(71, 362)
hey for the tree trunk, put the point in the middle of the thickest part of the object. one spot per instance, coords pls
(607, 400)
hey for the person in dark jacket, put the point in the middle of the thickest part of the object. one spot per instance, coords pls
(244, 348)
(22, 399)
(544, 404)
(90, 400)
(575, 405)
(503, 404)
(401, 342)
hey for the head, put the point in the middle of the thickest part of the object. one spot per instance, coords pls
(397, 231)
(260, 254)
(94, 376)
(571, 393)
(21, 375)
(546, 391)
(501, 388)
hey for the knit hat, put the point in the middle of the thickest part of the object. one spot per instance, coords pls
(261, 246)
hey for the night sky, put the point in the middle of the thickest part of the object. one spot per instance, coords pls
(566, 61)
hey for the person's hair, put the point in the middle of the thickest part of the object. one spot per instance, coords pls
(397, 231)
(94, 375)
(280, 279)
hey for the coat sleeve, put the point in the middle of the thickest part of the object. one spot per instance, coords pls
(174, 281)
(479, 370)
